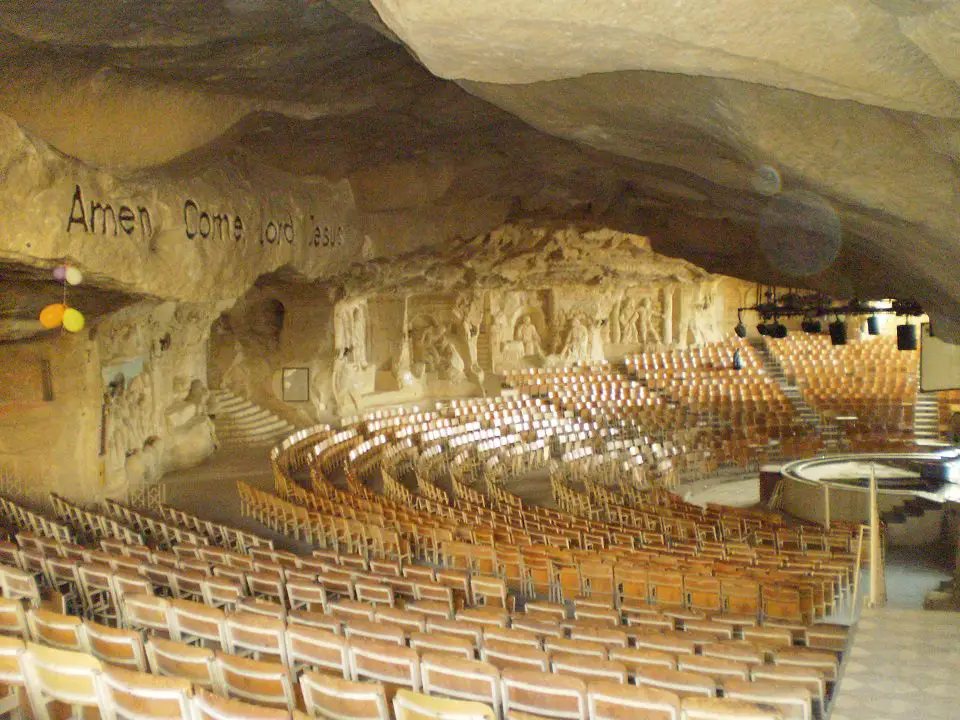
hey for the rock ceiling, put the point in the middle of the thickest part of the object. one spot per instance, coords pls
(684, 123)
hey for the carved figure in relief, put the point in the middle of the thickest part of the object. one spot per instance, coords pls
(344, 381)
(451, 361)
(576, 347)
(360, 336)
(527, 334)
(648, 330)
(629, 314)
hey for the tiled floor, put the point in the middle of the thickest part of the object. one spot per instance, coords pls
(902, 664)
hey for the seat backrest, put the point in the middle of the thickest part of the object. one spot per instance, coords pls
(372, 630)
(11, 660)
(681, 682)
(460, 678)
(434, 642)
(56, 630)
(417, 706)
(116, 646)
(712, 708)
(315, 648)
(383, 662)
(256, 681)
(544, 694)
(190, 620)
(334, 698)
(132, 695)
(252, 634)
(207, 706)
(174, 659)
(588, 668)
(63, 675)
(794, 701)
(613, 701)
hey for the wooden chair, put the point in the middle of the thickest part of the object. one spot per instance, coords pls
(207, 706)
(196, 623)
(718, 669)
(169, 658)
(309, 647)
(487, 617)
(256, 681)
(353, 610)
(613, 701)
(823, 661)
(575, 647)
(147, 612)
(471, 631)
(377, 594)
(544, 694)
(55, 630)
(459, 678)
(705, 708)
(116, 646)
(379, 632)
(261, 606)
(509, 655)
(440, 643)
(796, 703)
(679, 682)
(513, 636)
(409, 621)
(221, 592)
(332, 698)
(383, 662)
(12, 677)
(55, 675)
(303, 595)
(417, 706)
(588, 669)
(809, 679)
(330, 623)
(440, 607)
(99, 594)
(131, 695)
(257, 636)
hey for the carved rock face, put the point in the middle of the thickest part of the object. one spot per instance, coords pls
(683, 127)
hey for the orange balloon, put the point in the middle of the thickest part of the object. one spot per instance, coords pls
(52, 315)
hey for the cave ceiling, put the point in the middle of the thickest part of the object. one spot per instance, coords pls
(738, 135)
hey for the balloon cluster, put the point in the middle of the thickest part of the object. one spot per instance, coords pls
(57, 314)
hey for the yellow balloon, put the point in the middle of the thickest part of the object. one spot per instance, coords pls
(52, 315)
(73, 276)
(73, 320)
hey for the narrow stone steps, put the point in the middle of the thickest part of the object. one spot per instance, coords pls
(240, 422)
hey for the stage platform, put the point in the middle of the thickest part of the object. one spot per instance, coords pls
(902, 664)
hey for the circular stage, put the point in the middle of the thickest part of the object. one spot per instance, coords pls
(836, 487)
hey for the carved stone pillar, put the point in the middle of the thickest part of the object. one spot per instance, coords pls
(667, 333)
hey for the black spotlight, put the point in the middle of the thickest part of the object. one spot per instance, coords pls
(838, 333)
(778, 330)
(763, 329)
(809, 325)
(740, 329)
(873, 325)
(906, 337)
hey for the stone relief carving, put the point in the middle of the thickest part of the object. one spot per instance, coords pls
(648, 332)
(576, 347)
(527, 334)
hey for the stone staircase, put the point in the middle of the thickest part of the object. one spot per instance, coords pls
(926, 417)
(828, 431)
(240, 422)
(913, 522)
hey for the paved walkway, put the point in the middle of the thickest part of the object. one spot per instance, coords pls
(903, 664)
